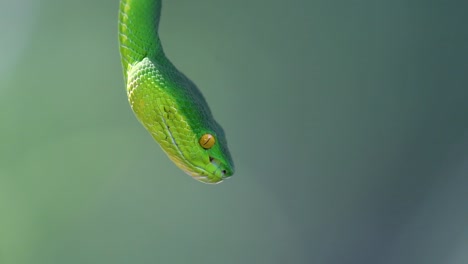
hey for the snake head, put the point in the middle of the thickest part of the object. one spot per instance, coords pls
(176, 114)
(209, 160)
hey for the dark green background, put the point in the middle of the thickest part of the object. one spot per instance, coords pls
(347, 121)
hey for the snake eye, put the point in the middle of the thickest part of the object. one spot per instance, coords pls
(207, 141)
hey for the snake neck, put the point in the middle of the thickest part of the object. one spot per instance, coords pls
(138, 31)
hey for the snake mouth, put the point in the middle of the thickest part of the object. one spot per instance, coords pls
(213, 172)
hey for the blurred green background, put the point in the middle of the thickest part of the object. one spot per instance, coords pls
(347, 121)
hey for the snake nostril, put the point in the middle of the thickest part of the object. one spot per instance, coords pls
(223, 171)
(211, 159)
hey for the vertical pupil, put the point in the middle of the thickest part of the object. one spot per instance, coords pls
(207, 140)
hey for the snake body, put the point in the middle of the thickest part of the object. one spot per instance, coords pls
(165, 101)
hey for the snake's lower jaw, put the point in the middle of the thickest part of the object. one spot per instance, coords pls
(209, 179)
(215, 172)
(205, 179)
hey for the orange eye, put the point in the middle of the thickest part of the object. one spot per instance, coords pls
(207, 141)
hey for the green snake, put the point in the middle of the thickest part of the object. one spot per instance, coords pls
(165, 101)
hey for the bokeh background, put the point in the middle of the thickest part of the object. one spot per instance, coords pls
(347, 121)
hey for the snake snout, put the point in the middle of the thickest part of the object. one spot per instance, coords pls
(220, 169)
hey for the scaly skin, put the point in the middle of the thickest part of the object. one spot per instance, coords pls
(164, 100)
